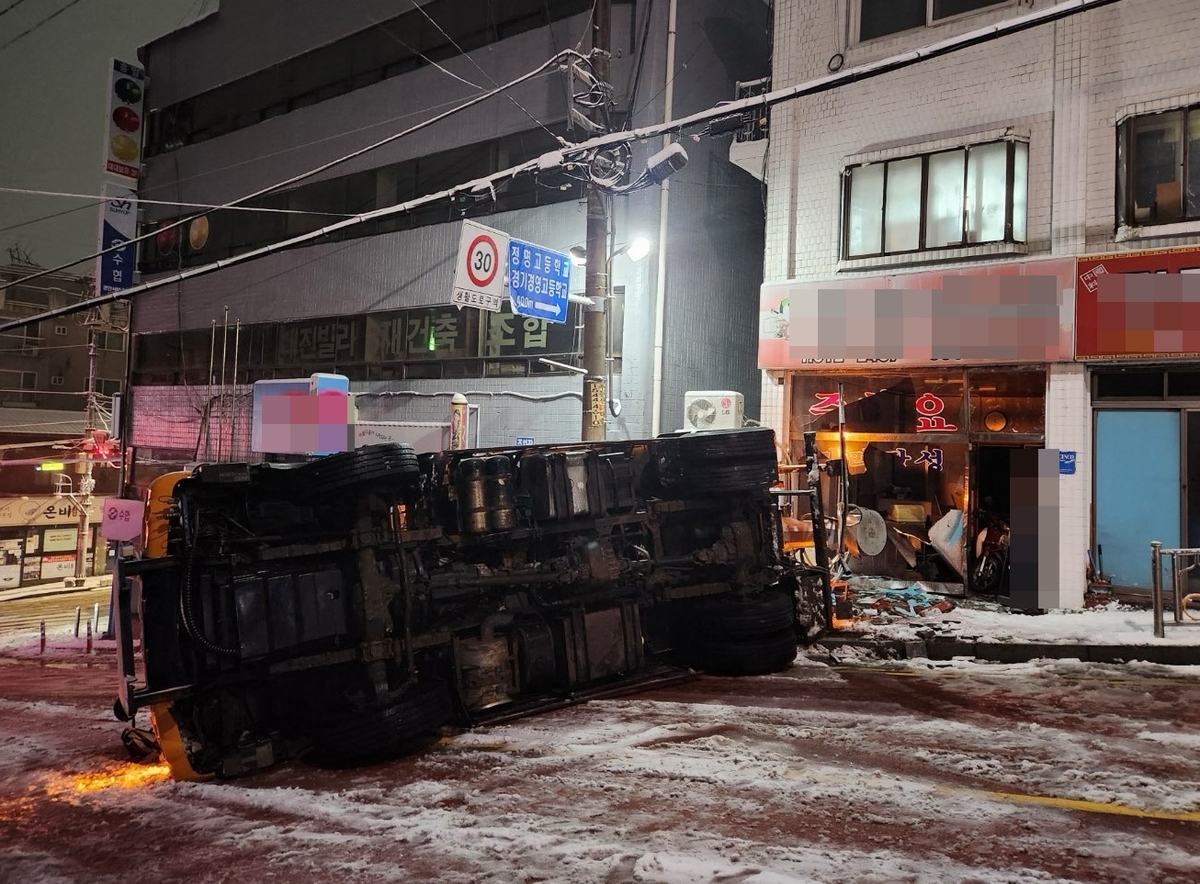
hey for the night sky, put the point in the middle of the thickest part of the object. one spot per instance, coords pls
(53, 84)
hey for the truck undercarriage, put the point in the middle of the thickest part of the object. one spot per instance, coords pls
(348, 607)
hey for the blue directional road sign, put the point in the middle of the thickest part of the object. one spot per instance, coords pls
(538, 281)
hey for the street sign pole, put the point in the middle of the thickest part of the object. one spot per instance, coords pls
(595, 317)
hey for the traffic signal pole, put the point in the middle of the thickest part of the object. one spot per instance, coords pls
(86, 482)
(595, 317)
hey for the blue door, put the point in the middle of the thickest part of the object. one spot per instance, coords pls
(1137, 490)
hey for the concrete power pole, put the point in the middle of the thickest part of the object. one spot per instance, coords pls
(595, 317)
(86, 483)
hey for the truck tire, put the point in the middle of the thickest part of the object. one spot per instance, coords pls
(717, 460)
(375, 732)
(392, 463)
(752, 617)
(758, 657)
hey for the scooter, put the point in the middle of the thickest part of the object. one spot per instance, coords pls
(991, 553)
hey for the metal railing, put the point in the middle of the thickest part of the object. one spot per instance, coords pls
(1181, 562)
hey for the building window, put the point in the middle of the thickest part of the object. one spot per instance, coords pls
(1159, 168)
(947, 199)
(878, 18)
(107, 386)
(16, 387)
(401, 44)
(60, 330)
(114, 341)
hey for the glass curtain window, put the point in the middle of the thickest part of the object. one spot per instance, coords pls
(944, 204)
(946, 8)
(1192, 173)
(864, 229)
(877, 18)
(1020, 196)
(902, 218)
(987, 192)
(1157, 168)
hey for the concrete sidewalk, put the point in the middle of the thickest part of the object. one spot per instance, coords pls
(948, 648)
(60, 587)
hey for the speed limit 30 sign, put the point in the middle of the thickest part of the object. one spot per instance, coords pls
(479, 269)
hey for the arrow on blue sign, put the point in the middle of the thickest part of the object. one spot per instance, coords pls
(538, 281)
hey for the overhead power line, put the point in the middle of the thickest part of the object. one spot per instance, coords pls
(551, 62)
(577, 154)
(30, 30)
(96, 198)
(8, 9)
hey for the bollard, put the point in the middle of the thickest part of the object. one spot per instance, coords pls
(78, 613)
(459, 418)
(43, 637)
(89, 636)
(96, 618)
(1156, 592)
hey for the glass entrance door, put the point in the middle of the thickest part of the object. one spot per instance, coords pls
(1137, 489)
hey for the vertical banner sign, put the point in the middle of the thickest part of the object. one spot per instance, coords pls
(123, 143)
(118, 225)
(593, 401)
(459, 417)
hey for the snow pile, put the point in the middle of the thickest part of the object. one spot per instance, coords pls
(1111, 624)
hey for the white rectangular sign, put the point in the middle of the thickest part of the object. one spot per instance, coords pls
(123, 141)
(479, 279)
(118, 225)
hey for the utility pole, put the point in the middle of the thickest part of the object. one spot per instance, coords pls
(86, 482)
(595, 317)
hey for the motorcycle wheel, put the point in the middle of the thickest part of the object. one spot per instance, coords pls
(988, 574)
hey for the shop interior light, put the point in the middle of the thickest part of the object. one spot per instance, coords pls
(51, 466)
(995, 421)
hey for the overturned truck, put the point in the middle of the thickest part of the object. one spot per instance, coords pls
(348, 607)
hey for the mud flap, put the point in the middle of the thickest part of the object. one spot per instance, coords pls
(172, 745)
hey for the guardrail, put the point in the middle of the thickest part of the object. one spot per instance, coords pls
(1182, 561)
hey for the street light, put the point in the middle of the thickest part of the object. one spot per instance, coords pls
(659, 166)
(634, 250)
(597, 350)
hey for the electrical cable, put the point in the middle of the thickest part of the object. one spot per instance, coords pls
(635, 77)
(471, 58)
(44, 21)
(95, 198)
(44, 218)
(568, 155)
(554, 60)
(8, 9)
(300, 145)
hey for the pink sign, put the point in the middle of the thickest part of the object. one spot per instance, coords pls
(122, 518)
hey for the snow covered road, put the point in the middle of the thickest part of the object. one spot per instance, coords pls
(1054, 771)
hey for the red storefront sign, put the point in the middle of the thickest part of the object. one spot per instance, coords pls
(1138, 305)
(1010, 312)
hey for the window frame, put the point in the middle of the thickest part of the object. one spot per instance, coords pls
(25, 393)
(1008, 236)
(111, 385)
(1125, 195)
(856, 25)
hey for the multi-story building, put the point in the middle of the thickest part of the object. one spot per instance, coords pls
(44, 377)
(261, 92)
(944, 256)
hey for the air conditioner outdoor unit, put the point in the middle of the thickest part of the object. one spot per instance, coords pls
(712, 410)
